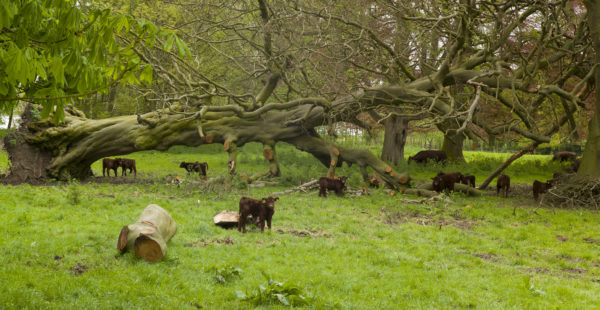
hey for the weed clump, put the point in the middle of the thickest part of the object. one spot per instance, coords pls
(276, 292)
(225, 274)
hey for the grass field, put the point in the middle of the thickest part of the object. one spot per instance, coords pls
(369, 252)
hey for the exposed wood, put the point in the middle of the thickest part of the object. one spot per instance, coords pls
(148, 236)
(226, 219)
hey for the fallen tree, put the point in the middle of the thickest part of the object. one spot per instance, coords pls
(41, 150)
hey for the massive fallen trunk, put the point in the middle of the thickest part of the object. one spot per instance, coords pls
(67, 150)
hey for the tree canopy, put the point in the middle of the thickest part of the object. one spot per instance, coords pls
(257, 70)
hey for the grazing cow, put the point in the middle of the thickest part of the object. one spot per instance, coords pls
(125, 164)
(564, 156)
(445, 181)
(108, 164)
(338, 185)
(541, 187)
(574, 166)
(423, 156)
(468, 180)
(259, 209)
(201, 168)
(503, 184)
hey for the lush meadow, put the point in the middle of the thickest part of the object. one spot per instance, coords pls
(368, 252)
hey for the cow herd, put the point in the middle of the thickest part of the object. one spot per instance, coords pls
(262, 210)
(128, 166)
(445, 181)
(125, 164)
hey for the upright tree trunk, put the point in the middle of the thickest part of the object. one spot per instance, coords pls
(590, 163)
(394, 139)
(453, 146)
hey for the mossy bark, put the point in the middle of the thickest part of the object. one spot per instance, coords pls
(590, 162)
(453, 141)
(148, 236)
(394, 139)
(75, 144)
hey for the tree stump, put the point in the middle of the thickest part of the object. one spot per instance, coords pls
(148, 236)
(227, 219)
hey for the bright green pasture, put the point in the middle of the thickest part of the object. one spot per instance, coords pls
(370, 252)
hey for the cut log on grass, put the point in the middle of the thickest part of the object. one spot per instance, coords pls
(227, 219)
(148, 236)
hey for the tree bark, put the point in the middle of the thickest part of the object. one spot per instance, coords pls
(71, 147)
(590, 162)
(10, 118)
(148, 236)
(453, 141)
(394, 139)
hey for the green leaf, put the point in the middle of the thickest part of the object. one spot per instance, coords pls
(182, 48)
(169, 43)
(6, 15)
(282, 299)
(57, 70)
(146, 75)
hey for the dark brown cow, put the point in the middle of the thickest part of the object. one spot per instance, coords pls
(424, 156)
(125, 164)
(338, 185)
(468, 180)
(503, 184)
(541, 187)
(201, 168)
(564, 156)
(574, 166)
(259, 209)
(445, 181)
(108, 164)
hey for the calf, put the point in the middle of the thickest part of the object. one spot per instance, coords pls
(108, 164)
(564, 156)
(259, 209)
(541, 187)
(338, 185)
(445, 181)
(424, 156)
(574, 166)
(125, 164)
(503, 184)
(201, 168)
(468, 180)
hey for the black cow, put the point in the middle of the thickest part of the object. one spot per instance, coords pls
(574, 166)
(541, 187)
(564, 156)
(127, 164)
(201, 168)
(445, 181)
(468, 180)
(503, 184)
(108, 164)
(337, 185)
(424, 156)
(259, 209)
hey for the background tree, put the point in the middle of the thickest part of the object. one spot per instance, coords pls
(276, 71)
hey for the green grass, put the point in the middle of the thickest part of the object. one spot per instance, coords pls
(370, 252)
